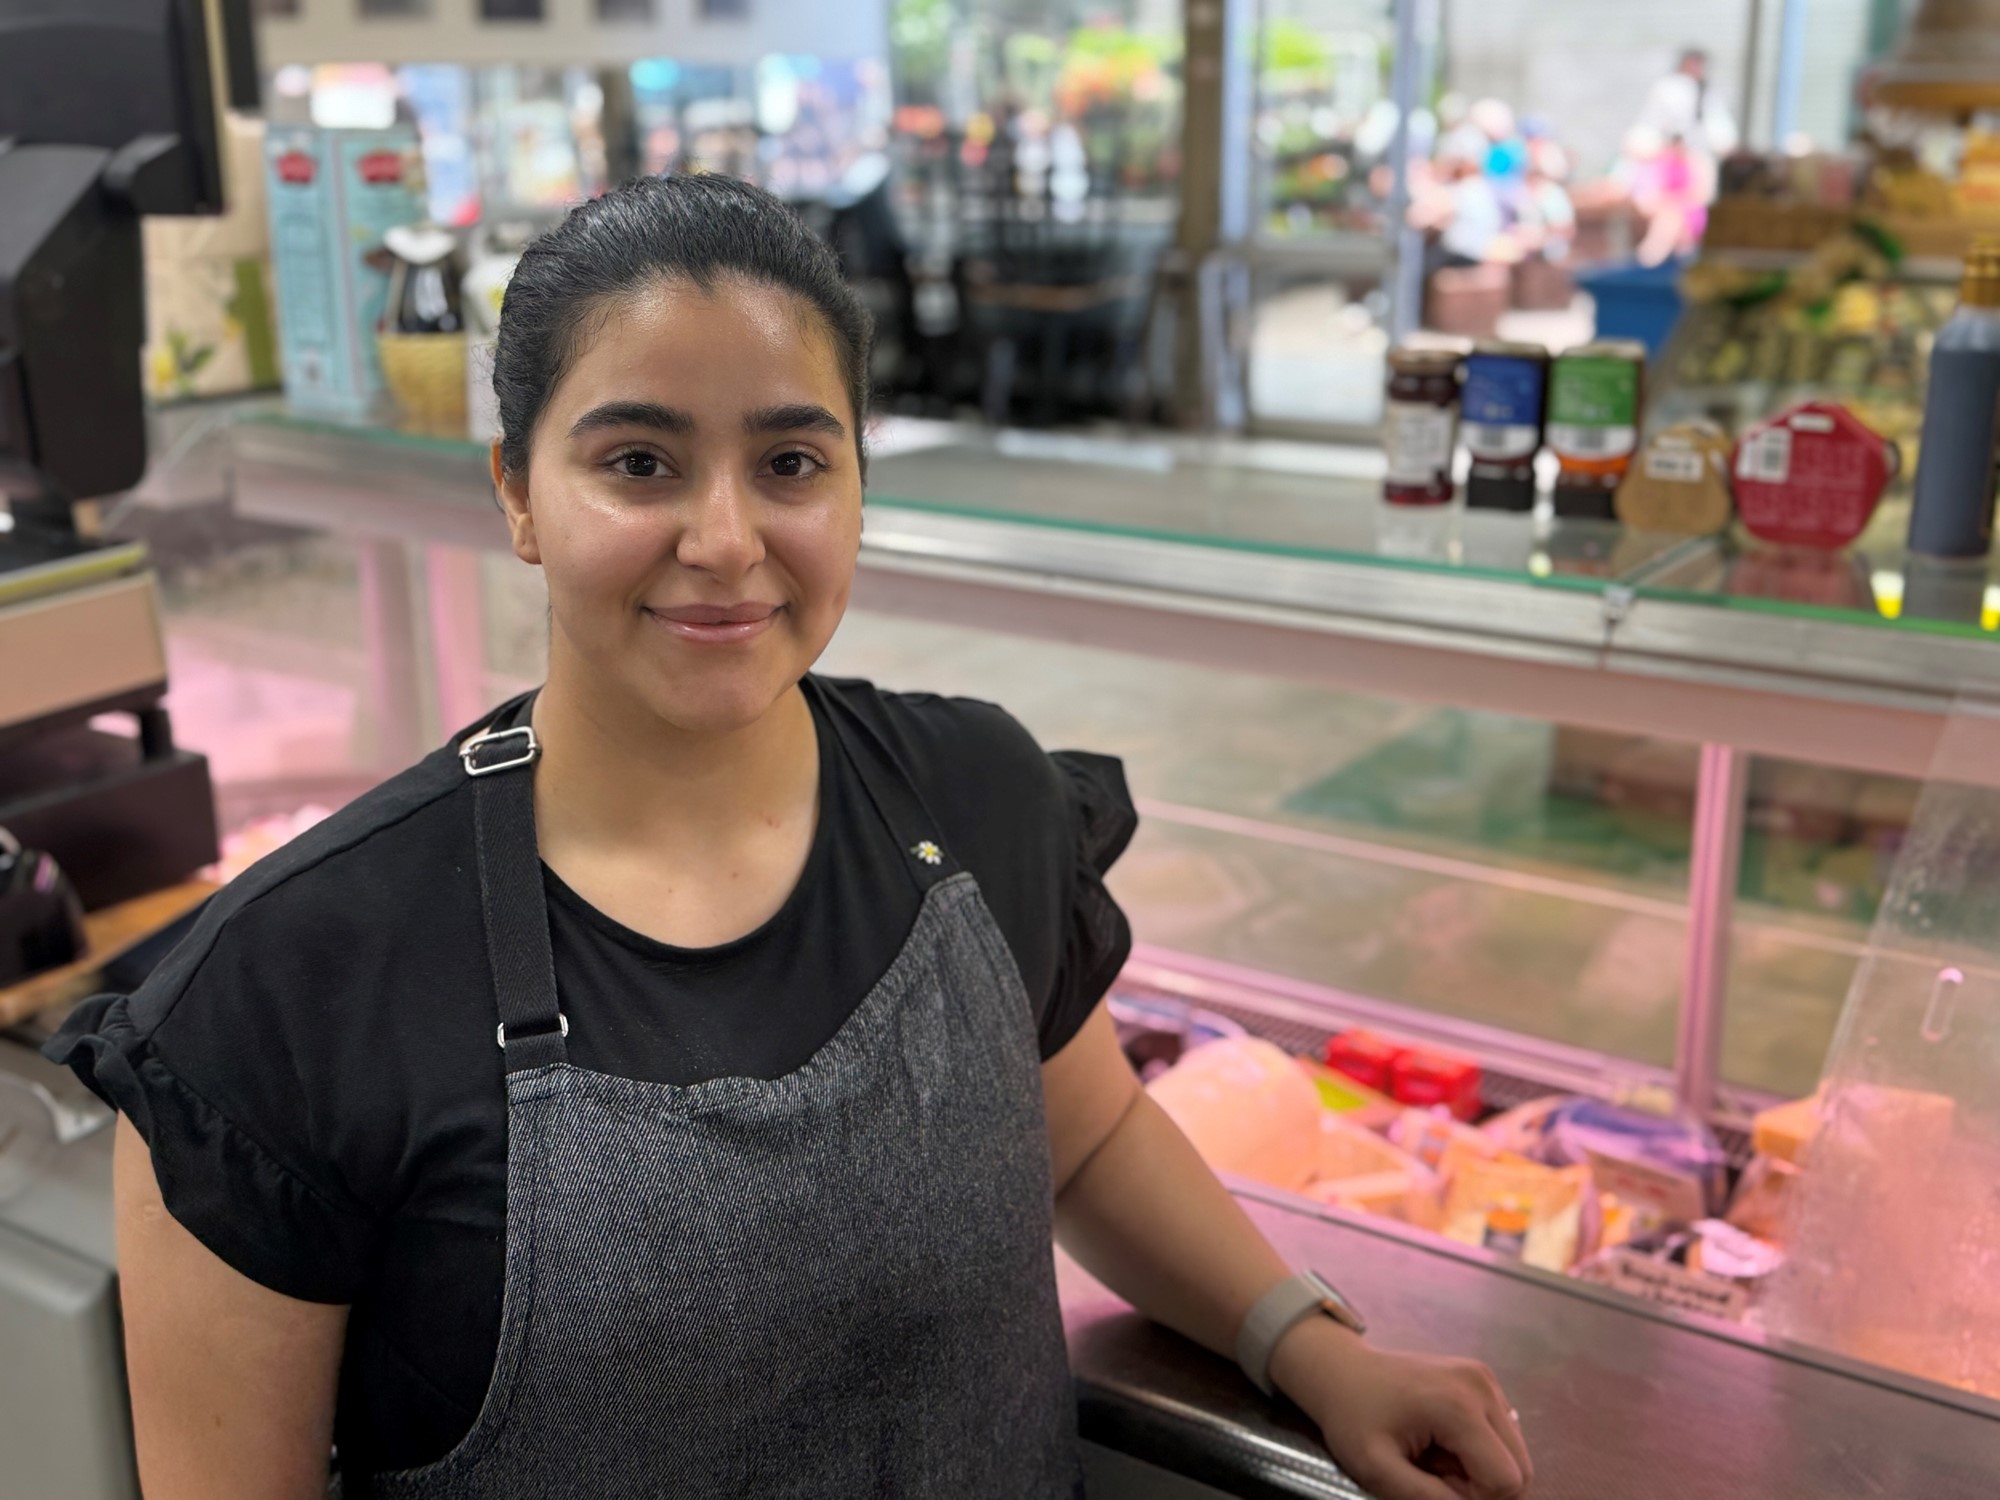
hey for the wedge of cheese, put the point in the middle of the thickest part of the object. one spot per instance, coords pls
(1247, 1108)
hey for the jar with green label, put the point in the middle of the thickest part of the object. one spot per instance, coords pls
(1596, 394)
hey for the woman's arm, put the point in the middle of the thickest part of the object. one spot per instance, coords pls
(1141, 1211)
(232, 1383)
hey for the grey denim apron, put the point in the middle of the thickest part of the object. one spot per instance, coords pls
(835, 1283)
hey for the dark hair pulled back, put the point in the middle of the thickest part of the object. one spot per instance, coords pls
(697, 229)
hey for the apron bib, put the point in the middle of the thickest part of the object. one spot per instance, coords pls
(835, 1283)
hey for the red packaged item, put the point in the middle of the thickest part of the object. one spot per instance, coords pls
(1364, 1057)
(1811, 476)
(1423, 1079)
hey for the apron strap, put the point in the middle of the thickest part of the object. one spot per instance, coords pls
(899, 804)
(511, 900)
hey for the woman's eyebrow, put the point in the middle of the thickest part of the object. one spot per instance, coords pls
(800, 417)
(634, 414)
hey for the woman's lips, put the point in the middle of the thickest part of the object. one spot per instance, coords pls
(717, 625)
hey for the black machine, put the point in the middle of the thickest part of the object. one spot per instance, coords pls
(108, 112)
(41, 919)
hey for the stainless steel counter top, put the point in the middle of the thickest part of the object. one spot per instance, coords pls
(1618, 1403)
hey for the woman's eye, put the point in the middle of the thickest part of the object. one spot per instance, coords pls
(795, 465)
(636, 465)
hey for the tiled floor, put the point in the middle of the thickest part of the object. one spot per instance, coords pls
(1288, 827)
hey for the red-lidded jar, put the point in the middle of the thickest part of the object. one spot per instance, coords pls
(1420, 426)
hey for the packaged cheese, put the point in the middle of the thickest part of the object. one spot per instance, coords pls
(1247, 1108)
(1680, 483)
(1516, 1207)
(1782, 1131)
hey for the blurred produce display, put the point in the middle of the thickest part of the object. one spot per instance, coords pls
(1844, 323)
(1320, 96)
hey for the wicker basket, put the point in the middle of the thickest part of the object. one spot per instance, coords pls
(425, 372)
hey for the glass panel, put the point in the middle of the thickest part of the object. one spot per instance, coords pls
(1323, 120)
(1818, 847)
(268, 670)
(1297, 500)
(370, 9)
(1318, 338)
(1761, 334)
(1466, 864)
(1293, 498)
(1320, 138)
(1898, 1224)
(1038, 151)
(1877, 581)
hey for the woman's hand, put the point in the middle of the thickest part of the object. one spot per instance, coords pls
(1137, 1206)
(1404, 1426)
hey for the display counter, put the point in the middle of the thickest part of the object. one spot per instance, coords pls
(1264, 553)
(1250, 556)
(1615, 1402)
(1271, 559)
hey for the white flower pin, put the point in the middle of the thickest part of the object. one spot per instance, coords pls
(929, 853)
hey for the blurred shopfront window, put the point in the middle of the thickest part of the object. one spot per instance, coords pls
(1037, 146)
(1321, 247)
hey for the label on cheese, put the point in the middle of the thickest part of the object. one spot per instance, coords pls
(1667, 1197)
(1673, 465)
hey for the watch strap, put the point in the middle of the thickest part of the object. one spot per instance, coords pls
(1278, 1311)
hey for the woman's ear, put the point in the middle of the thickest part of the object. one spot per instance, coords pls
(512, 490)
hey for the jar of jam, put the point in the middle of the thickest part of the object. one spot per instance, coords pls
(1596, 398)
(1420, 426)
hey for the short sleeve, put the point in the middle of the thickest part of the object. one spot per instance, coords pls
(236, 1175)
(1096, 937)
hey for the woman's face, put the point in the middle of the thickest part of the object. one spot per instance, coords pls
(693, 496)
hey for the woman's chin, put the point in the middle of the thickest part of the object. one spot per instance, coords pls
(717, 702)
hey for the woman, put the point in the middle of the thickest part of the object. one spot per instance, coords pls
(795, 986)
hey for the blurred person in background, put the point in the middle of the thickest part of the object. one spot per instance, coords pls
(1547, 212)
(1459, 136)
(1667, 187)
(1684, 109)
(1547, 224)
(1462, 210)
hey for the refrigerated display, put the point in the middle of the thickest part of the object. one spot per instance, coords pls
(1311, 864)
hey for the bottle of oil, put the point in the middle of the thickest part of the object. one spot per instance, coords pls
(1951, 512)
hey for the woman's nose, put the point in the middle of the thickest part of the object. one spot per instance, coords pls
(721, 534)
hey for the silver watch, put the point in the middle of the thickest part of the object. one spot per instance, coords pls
(1281, 1309)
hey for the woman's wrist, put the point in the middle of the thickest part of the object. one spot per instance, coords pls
(1315, 1356)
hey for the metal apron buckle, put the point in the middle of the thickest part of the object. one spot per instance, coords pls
(525, 756)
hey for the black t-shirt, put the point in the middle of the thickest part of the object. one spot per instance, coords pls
(315, 1069)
